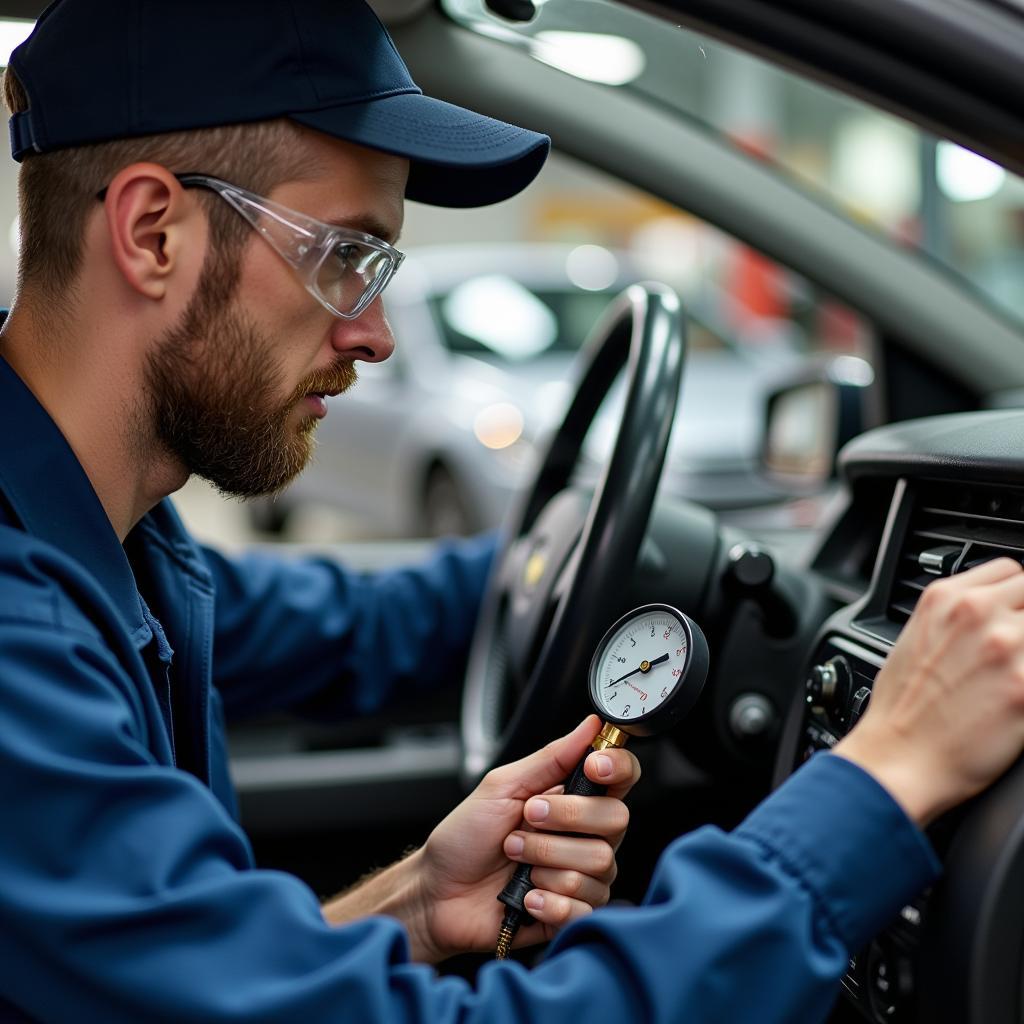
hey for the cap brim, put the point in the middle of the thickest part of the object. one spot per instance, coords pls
(457, 157)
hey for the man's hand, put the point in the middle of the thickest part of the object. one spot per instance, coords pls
(946, 716)
(465, 862)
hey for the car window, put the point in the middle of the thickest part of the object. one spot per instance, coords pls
(950, 204)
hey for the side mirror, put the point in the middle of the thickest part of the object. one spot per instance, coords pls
(810, 417)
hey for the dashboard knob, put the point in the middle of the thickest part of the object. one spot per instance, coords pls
(820, 679)
(751, 716)
(750, 575)
(829, 684)
(750, 565)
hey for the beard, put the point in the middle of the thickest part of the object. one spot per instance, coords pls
(213, 388)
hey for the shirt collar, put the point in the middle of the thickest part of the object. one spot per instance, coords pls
(50, 494)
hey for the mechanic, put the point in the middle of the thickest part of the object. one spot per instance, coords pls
(155, 335)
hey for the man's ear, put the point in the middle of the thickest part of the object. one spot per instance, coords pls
(148, 218)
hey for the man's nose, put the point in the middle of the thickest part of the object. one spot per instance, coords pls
(368, 337)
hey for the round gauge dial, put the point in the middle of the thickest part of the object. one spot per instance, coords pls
(649, 669)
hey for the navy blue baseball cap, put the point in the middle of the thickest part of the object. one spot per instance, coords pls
(97, 70)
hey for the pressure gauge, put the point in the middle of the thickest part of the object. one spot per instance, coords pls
(647, 673)
(648, 670)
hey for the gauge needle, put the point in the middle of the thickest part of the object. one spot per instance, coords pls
(641, 668)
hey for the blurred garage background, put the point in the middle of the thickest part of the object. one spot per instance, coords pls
(492, 304)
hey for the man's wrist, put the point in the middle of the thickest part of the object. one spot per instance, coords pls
(911, 786)
(417, 916)
(396, 891)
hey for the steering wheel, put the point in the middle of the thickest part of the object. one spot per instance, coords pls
(565, 557)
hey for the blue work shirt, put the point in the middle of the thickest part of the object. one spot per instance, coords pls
(128, 892)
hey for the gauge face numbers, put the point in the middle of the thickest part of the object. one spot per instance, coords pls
(641, 666)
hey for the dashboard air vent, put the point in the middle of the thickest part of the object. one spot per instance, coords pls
(954, 527)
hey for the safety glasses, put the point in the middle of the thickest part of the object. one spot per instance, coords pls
(344, 270)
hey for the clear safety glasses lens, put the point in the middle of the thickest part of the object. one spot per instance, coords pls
(352, 275)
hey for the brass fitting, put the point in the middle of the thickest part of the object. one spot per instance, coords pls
(610, 736)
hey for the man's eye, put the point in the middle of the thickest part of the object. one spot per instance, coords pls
(343, 259)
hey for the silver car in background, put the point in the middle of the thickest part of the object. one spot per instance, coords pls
(436, 439)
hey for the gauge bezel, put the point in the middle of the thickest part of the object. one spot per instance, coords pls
(687, 690)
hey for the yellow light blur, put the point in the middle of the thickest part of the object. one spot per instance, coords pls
(499, 425)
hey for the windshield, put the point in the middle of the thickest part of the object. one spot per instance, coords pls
(952, 205)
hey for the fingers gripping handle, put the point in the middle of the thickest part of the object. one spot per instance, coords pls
(577, 784)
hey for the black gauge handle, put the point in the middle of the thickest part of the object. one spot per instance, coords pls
(577, 784)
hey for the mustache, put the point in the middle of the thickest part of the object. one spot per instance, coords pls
(337, 377)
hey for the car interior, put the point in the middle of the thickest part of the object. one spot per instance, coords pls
(880, 482)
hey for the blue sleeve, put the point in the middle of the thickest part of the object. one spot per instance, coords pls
(307, 634)
(127, 893)
(757, 927)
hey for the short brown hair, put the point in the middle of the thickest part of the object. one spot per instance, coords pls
(57, 191)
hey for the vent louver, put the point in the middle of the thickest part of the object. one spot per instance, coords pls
(952, 528)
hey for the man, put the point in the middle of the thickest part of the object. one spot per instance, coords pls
(210, 196)
(192, 357)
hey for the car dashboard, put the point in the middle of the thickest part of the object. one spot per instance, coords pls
(932, 497)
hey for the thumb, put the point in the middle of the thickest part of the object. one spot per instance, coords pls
(546, 768)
